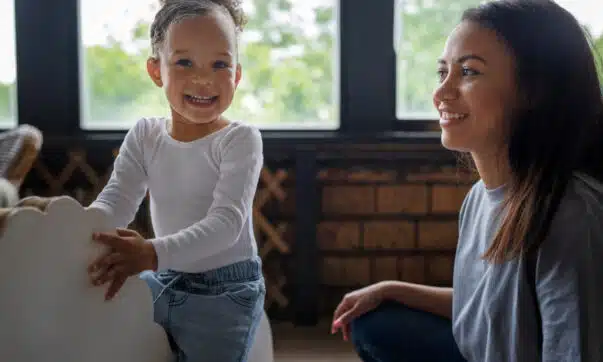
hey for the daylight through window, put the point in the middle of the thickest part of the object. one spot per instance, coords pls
(287, 53)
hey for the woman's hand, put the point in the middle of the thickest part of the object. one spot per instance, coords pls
(355, 304)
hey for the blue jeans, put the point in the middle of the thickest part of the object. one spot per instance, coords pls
(396, 333)
(210, 316)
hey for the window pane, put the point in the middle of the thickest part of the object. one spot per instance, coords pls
(287, 54)
(8, 66)
(422, 28)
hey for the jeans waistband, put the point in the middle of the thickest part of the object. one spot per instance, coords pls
(250, 269)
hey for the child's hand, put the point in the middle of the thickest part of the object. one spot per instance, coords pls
(129, 254)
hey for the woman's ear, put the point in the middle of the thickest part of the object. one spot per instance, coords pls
(154, 70)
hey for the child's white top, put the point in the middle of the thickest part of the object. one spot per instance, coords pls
(201, 193)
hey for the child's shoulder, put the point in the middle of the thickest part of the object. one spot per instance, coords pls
(146, 129)
(145, 125)
(241, 135)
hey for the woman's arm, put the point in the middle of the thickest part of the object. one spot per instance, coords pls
(569, 274)
(435, 300)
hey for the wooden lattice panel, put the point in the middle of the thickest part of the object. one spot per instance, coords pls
(270, 235)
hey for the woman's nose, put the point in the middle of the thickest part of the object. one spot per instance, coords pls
(447, 90)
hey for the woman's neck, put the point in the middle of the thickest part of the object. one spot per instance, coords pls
(493, 170)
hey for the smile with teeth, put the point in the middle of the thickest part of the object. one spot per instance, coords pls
(202, 100)
(453, 116)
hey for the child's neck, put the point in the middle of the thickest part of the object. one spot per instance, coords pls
(188, 132)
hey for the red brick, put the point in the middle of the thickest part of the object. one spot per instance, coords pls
(332, 271)
(439, 270)
(412, 269)
(338, 235)
(402, 199)
(448, 198)
(444, 174)
(389, 234)
(357, 271)
(348, 199)
(438, 235)
(386, 268)
(336, 174)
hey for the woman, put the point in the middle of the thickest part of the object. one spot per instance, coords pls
(519, 93)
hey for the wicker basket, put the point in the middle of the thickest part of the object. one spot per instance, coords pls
(19, 149)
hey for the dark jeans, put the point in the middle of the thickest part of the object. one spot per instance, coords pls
(396, 333)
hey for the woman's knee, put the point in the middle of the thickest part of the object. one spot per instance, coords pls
(370, 327)
(393, 323)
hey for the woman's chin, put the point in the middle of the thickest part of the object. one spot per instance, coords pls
(452, 143)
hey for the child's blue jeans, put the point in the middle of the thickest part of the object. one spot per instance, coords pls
(210, 316)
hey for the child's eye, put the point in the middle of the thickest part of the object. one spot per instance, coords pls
(184, 63)
(221, 64)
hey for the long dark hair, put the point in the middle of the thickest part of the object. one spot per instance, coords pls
(557, 126)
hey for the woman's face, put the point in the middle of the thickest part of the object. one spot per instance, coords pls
(476, 90)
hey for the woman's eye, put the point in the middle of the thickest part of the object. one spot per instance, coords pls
(470, 72)
(442, 74)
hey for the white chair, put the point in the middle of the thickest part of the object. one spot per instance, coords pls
(48, 309)
(262, 348)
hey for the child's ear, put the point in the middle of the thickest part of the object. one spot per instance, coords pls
(154, 70)
(238, 74)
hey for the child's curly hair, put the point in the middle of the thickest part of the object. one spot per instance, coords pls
(173, 11)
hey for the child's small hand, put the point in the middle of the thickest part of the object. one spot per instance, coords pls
(129, 254)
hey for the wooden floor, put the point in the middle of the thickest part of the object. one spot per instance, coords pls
(316, 344)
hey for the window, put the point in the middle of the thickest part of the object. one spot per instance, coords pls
(8, 66)
(589, 14)
(287, 53)
(421, 31)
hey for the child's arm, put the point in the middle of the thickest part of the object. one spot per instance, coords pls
(242, 161)
(127, 186)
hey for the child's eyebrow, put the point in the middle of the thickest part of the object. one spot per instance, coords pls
(226, 54)
(175, 52)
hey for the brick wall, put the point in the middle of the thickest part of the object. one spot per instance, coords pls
(378, 225)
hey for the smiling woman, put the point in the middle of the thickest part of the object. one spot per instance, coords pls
(526, 279)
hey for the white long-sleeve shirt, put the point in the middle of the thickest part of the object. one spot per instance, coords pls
(201, 193)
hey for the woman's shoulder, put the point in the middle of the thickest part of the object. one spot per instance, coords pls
(577, 227)
(583, 201)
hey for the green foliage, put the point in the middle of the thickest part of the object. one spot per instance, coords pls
(598, 45)
(425, 25)
(287, 74)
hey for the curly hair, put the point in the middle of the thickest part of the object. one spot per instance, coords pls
(174, 11)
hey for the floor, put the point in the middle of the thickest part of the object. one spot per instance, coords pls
(316, 344)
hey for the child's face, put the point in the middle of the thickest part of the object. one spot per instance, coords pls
(198, 68)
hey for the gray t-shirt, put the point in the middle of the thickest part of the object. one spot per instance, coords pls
(494, 315)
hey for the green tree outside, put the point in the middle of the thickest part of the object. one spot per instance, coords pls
(287, 74)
